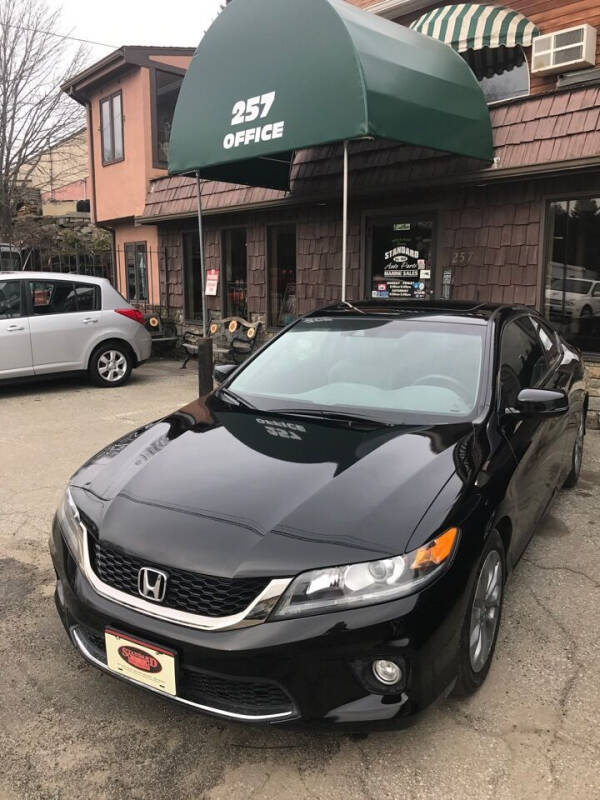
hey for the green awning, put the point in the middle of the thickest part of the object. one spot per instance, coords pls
(473, 26)
(274, 76)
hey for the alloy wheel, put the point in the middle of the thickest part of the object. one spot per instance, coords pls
(485, 613)
(112, 366)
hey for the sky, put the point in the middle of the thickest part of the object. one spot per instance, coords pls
(171, 23)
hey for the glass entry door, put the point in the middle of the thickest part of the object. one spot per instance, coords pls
(401, 258)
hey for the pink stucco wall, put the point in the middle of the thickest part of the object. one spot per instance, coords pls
(119, 191)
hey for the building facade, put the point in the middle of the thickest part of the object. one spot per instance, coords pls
(525, 229)
(61, 176)
(129, 98)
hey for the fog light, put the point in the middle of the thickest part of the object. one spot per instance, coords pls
(387, 672)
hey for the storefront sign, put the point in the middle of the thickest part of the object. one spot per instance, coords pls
(402, 250)
(212, 282)
(250, 110)
(400, 273)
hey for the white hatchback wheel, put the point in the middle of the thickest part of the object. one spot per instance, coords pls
(112, 366)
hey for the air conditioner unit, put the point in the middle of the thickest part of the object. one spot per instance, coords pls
(564, 51)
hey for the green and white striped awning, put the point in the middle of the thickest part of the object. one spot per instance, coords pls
(472, 26)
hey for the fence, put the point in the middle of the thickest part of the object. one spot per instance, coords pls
(99, 263)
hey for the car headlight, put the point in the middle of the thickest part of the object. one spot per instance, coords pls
(71, 526)
(335, 588)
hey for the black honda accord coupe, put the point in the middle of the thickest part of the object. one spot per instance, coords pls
(326, 537)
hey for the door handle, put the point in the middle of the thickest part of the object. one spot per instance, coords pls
(13, 328)
(87, 320)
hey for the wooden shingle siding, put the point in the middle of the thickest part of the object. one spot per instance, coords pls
(534, 132)
(497, 227)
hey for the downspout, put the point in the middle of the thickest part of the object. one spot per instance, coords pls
(88, 107)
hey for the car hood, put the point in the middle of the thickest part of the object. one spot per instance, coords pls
(236, 493)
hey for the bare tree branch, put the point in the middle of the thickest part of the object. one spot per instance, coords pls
(34, 113)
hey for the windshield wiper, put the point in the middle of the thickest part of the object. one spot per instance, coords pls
(234, 398)
(329, 414)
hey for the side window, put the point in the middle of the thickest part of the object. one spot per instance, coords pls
(10, 299)
(88, 297)
(52, 297)
(596, 291)
(522, 360)
(137, 271)
(111, 128)
(548, 340)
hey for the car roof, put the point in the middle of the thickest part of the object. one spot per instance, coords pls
(440, 310)
(53, 276)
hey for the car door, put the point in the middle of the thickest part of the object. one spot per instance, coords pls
(559, 441)
(15, 339)
(64, 319)
(523, 365)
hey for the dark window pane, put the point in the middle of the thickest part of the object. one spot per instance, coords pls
(130, 267)
(401, 256)
(502, 71)
(52, 297)
(572, 291)
(137, 271)
(548, 339)
(88, 297)
(167, 92)
(236, 280)
(10, 299)
(192, 276)
(522, 360)
(282, 275)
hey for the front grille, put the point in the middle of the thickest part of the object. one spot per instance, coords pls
(186, 591)
(231, 694)
(253, 697)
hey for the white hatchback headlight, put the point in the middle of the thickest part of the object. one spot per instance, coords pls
(71, 526)
(335, 588)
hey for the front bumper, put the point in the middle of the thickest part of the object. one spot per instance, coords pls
(315, 669)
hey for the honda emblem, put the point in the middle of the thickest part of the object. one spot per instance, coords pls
(152, 584)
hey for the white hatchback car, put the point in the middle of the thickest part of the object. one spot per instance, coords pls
(53, 322)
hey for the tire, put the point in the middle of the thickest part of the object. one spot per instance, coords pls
(576, 455)
(110, 365)
(474, 661)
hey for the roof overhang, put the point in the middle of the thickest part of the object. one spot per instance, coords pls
(115, 64)
(274, 76)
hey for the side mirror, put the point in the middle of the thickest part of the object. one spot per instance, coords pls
(540, 403)
(222, 371)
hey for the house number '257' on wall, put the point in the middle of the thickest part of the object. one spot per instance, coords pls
(251, 110)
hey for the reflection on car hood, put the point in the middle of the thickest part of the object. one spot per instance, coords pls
(238, 493)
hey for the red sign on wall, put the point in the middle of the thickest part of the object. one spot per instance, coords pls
(212, 282)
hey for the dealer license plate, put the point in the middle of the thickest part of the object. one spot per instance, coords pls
(146, 663)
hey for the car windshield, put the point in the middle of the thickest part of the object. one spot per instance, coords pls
(395, 370)
(571, 285)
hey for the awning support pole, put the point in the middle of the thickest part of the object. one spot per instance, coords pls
(201, 237)
(345, 224)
